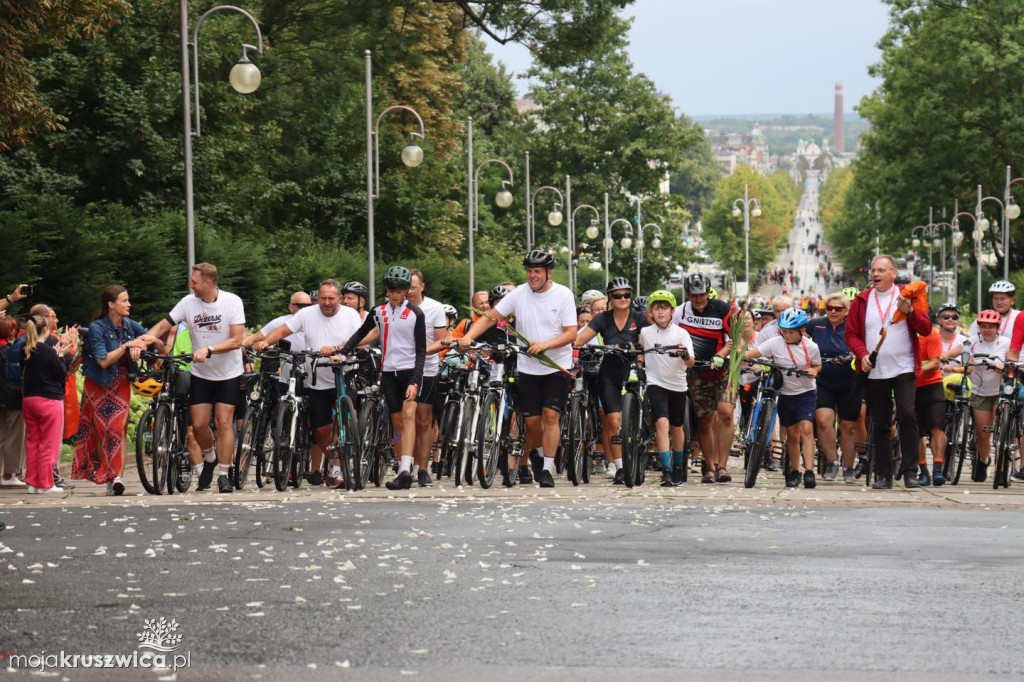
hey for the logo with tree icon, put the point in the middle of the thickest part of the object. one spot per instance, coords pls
(159, 635)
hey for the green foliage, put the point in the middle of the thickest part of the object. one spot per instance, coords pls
(723, 233)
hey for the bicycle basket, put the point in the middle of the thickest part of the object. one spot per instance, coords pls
(182, 383)
(361, 372)
(951, 386)
(246, 382)
(590, 363)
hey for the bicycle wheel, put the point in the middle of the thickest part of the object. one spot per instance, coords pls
(630, 437)
(960, 435)
(760, 441)
(245, 446)
(644, 437)
(576, 452)
(163, 443)
(366, 426)
(1007, 434)
(385, 456)
(264, 450)
(489, 438)
(462, 459)
(589, 438)
(354, 470)
(449, 434)
(283, 450)
(144, 449)
(300, 453)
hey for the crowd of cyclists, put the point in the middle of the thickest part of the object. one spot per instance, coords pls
(613, 385)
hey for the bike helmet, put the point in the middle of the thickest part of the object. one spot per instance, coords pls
(948, 305)
(618, 283)
(356, 288)
(146, 386)
(538, 259)
(450, 311)
(640, 302)
(792, 318)
(851, 292)
(765, 311)
(398, 277)
(951, 386)
(697, 283)
(661, 296)
(712, 293)
(1002, 287)
(590, 296)
(496, 294)
(989, 317)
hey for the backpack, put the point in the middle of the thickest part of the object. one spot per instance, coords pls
(84, 343)
(11, 379)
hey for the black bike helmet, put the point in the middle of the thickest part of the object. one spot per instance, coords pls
(356, 288)
(538, 259)
(697, 283)
(640, 302)
(398, 277)
(948, 305)
(497, 293)
(618, 283)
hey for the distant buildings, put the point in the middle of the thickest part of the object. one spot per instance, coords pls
(736, 149)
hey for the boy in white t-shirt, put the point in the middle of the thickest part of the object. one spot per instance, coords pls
(666, 384)
(798, 397)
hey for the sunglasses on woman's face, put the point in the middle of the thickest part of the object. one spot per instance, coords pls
(620, 297)
(835, 308)
(950, 317)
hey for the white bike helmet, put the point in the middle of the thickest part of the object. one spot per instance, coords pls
(1002, 287)
(590, 296)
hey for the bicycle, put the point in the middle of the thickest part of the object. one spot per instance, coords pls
(256, 437)
(373, 425)
(1008, 423)
(959, 424)
(344, 443)
(758, 439)
(293, 436)
(161, 446)
(463, 413)
(500, 427)
(581, 424)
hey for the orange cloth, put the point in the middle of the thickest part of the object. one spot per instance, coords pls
(917, 292)
(931, 348)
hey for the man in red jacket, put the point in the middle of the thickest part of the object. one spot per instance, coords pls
(893, 370)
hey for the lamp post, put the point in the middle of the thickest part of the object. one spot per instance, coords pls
(746, 202)
(930, 232)
(982, 223)
(592, 233)
(1011, 211)
(412, 156)
(608, 242)
(554, 215)
(655, 243)
(244, 78)
(503, 199)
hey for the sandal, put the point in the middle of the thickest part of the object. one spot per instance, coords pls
(708, 477)
(722, 476)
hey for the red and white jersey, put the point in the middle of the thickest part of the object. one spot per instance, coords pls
(403, 337)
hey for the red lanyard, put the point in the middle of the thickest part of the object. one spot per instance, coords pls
(884, 316)
(807, 356)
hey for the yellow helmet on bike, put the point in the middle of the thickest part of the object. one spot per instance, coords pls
(146, 386)
(951, 386)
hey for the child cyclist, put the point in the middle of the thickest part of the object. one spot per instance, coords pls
(798, 396)
(666, 383)
(991, 349)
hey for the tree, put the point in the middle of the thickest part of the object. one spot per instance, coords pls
(26, 27)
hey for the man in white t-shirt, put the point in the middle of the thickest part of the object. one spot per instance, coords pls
(427, 402)
(322, 327)
(1004, 298)
(893, 371)
(216, 324)
(545, 313)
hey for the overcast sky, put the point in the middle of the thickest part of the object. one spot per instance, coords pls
(749, 56)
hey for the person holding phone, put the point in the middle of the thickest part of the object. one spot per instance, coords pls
(20, 292)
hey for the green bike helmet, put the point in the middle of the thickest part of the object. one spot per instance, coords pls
(397, 277)
(661, 296)
(851, 292)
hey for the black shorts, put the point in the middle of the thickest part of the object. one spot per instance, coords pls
(393, 385)
(537, 392)
(930, 406)
(665, 403)
(321, 407)
(846, 403)
(610, 380)
(209, 392)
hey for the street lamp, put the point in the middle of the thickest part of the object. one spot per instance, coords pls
(609, 242)
(412, 156)
(1011, 212)
(746, 202)
(930, 232)
(503, 199)
(244, 78)
(592, 230)
(976, 235)
(655, 243)
(555, 214)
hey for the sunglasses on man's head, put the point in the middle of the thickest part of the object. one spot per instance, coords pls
(620, 297)
(835, 308)
(949, 317)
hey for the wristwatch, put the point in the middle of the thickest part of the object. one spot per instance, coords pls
(210, 350)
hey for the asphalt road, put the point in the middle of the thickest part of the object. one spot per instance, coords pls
(542, 588)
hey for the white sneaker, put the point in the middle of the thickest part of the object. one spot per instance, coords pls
(12, 481)
(54, 489)
(110, 488)
(118, 486)
(610, 473)
(32, 490)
